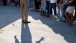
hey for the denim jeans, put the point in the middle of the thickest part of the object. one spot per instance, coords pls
(53, 5)
(43, 7)
(31, 4)
(64, 9)
(60, 12)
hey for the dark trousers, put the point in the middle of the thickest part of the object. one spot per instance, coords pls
(4, 2)
(16, 3)
(75, 12)
(36, 4)
(53, 5)
(47, 7)
(65, 7)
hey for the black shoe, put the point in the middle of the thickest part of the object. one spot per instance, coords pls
(22, 21)
(27, 22)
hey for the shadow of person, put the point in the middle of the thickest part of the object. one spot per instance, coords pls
(16, 40)
(57, 27)
(40, 40)
(25, 34)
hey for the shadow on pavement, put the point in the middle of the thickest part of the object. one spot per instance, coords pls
(40, 40)
(58, 27)
(26, 34)
(16, 40)
(8, 15)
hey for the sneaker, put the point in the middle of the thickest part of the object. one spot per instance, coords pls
(57, 19)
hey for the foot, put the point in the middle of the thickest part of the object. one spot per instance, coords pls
(70, 23)
(22, 21)
(27, 22)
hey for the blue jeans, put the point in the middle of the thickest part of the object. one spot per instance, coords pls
(31, 4)
(64, 9)
(53, 5)
(60, 12)
(43, 7)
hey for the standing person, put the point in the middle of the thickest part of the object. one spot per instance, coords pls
(60, 10)
(70, 11)
(47, 7)
(53, 6)
(24, 11)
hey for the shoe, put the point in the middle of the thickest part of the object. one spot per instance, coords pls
(22, 21)
(57, 19)
(27, 22)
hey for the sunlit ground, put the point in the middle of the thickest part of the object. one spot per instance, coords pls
(40, 30)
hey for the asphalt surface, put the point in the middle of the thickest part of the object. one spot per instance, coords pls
(40, 30)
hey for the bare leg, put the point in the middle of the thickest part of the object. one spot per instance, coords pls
(67, 17)
(71, 20)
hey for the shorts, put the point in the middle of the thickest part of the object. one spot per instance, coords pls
(70, 9)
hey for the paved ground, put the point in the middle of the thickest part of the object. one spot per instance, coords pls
(40, 30)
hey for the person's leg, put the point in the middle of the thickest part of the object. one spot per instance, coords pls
(4, 2)
(29, 4)
(39, 5)
(50, 9)
(54, 7)
(44, 8)
(64, 9)
(47, 7)
(26, 11)
(71, 19)
(7, 2)
(67, 17)
(33, 5)
(19, 2)
(15, 3)
(41, 9)
(58, 7)
(61, 12)
(75, 13)
(22, 11)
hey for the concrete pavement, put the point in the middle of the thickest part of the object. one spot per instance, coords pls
(40, 30)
